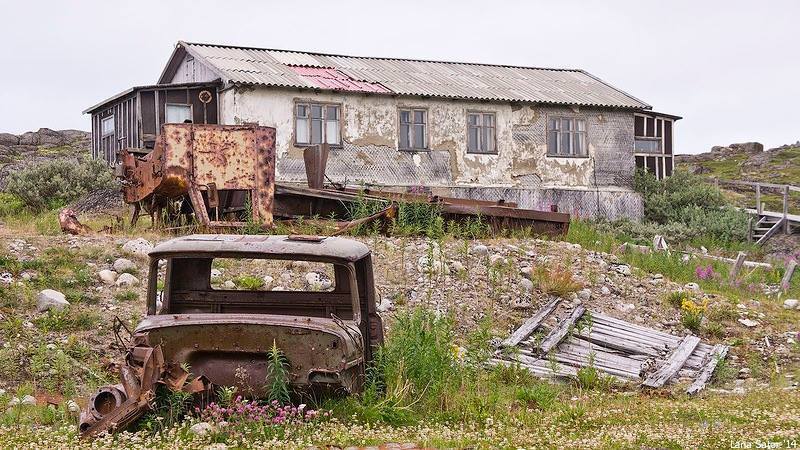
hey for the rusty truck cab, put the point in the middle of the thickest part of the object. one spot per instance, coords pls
(327, 336)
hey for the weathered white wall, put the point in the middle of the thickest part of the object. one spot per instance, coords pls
(370, 141)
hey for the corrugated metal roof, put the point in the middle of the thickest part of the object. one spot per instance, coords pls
(416, 77)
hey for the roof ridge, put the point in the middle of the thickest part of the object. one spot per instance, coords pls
(510, 66)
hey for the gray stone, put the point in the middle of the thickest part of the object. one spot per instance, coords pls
(124, 265)
(127, 280)
(692, 286)
(138, 247)
(605, 290)
(584, 295)
(457, 267)
(44, 136)
(9, 139)
(749, 323)
(526, 284)
(215, 273)
(50, 299)
(480, 250)
(228, 284)
(201, 428)
(268, 280)
(73, 407)
(790, 303)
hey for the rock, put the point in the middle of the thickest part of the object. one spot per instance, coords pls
(744, 373)
(215, 274)
(496, 260)
(6, 278)
(107, 276)
(228, 284)
(201, 428)
(300, 265)
(317, 281)
(268, 280)
(124, 265)
(605, 291)
(457, 267)
(626, 307)
(623, 269)
(9, 139)
(790, 303)
(385, 305)
(433, 267)
(138, 247)
(585, 295)
(479, 250)
(127, 280)
(749, 323)
(50, 299)
(526, 284)
(526, 271)
(44, 136)
(692, 286)
(73, 407)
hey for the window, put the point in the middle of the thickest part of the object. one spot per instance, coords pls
(316, 123)
(480, 133)
(413, 129)
(107, 126)
(177, 113)
(566, 137)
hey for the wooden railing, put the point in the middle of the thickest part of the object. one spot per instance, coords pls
(784, 189)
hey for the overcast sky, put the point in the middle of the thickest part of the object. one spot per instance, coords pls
(730, 68)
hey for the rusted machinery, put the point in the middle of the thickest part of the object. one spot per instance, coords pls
(223, 177)
(223, 335)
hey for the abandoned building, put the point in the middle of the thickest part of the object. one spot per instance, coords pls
(538, 137)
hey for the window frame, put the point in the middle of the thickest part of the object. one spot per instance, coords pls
(113, 126)
(480, 132)
(426, 122)
(191, 111)
(573, 131)
(308, 103)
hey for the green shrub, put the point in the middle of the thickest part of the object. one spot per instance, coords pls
(54, 183)
(249, 282)
(10, 204)
(539, 395)
(689, 207)
(676, 298)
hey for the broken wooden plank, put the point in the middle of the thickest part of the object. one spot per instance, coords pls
(717, 355)
(787, 276)
(557, 334)
(673, 363)
(530, 325)
(737, 266)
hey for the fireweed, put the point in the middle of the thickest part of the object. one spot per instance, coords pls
(274, 413)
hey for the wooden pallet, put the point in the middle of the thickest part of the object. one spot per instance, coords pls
(622, 350)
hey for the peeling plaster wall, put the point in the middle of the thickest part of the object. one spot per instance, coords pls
(369, 152)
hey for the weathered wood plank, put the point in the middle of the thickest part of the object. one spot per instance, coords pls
(787, 276)
(599, 317)
(717, 355)
(557, 334)
(621, 344)
(737, 266)
(530, 325)
(673, 363)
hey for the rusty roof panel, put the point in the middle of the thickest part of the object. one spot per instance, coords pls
(417, 78)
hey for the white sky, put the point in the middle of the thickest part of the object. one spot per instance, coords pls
(730, 68)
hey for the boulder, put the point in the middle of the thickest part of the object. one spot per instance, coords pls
(201, 428)
(790, 303)
(127, 280)
(9, 139)
(107, 276)
(480, 250)
(138, 247)
(124, 265)
(44, 136)
(50, 299)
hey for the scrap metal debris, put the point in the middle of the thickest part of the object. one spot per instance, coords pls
(621, 350)
(70, 224)
(223, 176)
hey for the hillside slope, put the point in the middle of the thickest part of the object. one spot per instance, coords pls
(35, 146)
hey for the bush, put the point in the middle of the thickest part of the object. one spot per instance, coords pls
(684, 207)
(55, 183)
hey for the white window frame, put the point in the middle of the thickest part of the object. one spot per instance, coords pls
(178, 105)
(573, 132)
(103, 122)
(662, 167)
(325, 122)
(411, 129)
(483, 146)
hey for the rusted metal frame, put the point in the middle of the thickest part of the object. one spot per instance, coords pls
(410, 197)
(503, 211)
(388, 212)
